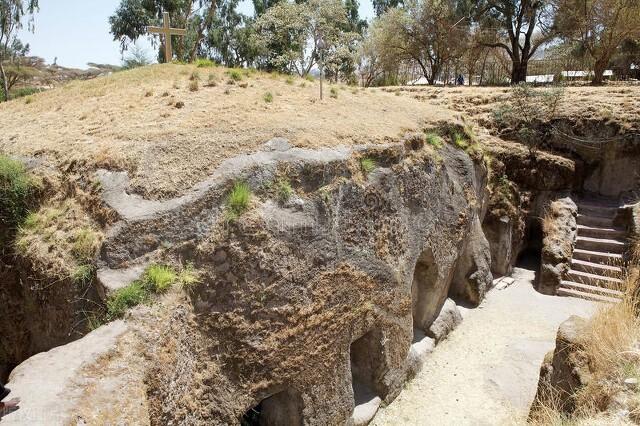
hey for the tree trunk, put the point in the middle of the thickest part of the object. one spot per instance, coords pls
(5, 85)
(598, 71)
(519, 72)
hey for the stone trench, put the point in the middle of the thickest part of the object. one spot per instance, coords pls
(314, 311)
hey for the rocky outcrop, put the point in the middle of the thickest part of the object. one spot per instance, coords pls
(564, 371)
(559, 236)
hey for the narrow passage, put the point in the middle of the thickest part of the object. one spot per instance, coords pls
(486, 371)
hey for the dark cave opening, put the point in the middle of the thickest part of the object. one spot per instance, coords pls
(282, 408)
(367, 364)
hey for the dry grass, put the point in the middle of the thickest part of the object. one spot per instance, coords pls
(610, 348)
(167, 149)
(59, 239)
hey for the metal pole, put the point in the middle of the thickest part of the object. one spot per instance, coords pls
(321, 70)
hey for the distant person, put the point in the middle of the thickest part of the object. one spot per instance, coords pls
(9, 406)
(460, 80)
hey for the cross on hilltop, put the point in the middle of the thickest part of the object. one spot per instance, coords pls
(167, 31)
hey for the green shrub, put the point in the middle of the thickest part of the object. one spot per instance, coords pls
(434, 140)
(195, 76)
(24, 91)
(212, 81)
(235, 74)
(204, 63)
(309, 77)
(238, 199)
(159, 278)
(460, 141)
(367, 165)
(194, 86)
(289, 80)
(268, 97)
(15, 189)
(125, 298)
(333, 93)
(284, 190)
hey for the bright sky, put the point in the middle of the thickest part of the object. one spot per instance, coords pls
(77, 31)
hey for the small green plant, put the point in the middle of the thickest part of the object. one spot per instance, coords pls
(85, 244)
(194, 86)
(333, 93)
(367, 165)
(189, 277)
(204, 63)
(434, 140)
(289, 80)
(309, 77)
(16, 186)
(159, 278)
(460, 141)
(238, 199)
(29, 100)
(284, 190)
(82, 274)
(125, 298)
(195, 76)
(25, 91)
(268, 97)
(235, 74)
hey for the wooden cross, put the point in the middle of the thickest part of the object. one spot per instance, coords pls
(168, 32)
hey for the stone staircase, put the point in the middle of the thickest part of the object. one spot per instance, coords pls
(596, 266)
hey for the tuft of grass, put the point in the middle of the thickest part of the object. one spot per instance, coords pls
(85, 244)
(268, 97)
(195, 76)
(29, 100)
(333, 93)
(204, 63)
(82, 274)
(235, 74)
(367, 165)
(289, 80)
(284, 190)
(16, 186)
(194, 86)
(189, 277)
(125, 298)
(434, 140)
(159, 278)
(212, 80)
(460, 141)
(238, 199)
(309, 77)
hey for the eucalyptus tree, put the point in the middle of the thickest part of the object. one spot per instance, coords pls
(600, 27)
(381, 6)
(519, 27)
(12, 13)
(131, 19)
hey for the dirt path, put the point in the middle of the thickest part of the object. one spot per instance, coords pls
(486, 372)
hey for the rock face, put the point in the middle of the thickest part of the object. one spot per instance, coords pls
(563, 371)
(306, 309)
(559, 236)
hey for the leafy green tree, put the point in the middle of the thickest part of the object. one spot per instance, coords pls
(600, 26)
(229, 38)
(12, 12)
(261, 6)
(519, 27)
(132, 18)
(429, 33)
(287, 35)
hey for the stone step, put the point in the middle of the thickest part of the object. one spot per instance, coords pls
(593, 279)
(604, 245)
(600, 222)
(597, 256)
(596, 268)
(564, 291)
(597, 210)
(598, 232)
(585, 288)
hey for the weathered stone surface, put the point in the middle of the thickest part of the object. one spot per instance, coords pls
(563, 371)
(447, 321)
(560, 231)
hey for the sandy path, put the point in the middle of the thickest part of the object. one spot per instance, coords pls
(486, 372)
